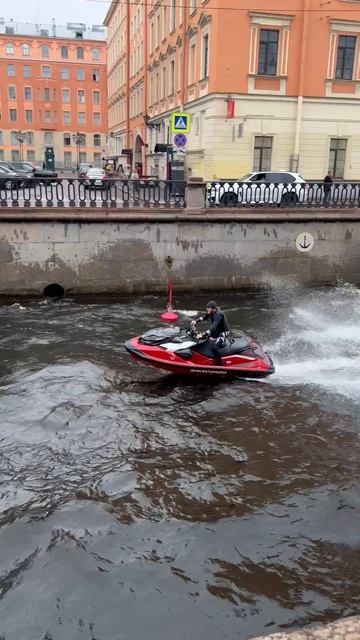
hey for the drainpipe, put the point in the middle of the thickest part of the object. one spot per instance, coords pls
(184, 60)
(128, 74)
(300, 101)
(145, 105)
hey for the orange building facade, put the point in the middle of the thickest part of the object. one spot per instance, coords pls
(269, 85)
(53, 93)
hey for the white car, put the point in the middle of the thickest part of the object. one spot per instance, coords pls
(97, 178)
(265, 187)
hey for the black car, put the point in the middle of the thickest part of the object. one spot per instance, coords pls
(36, 171)
(11, 179)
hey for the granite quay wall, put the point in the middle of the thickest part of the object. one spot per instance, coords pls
(123, 252)
(347, 629)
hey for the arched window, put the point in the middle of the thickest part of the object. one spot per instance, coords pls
(9, 48)
(25, 49)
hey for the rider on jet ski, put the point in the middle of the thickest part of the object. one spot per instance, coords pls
(218, 331)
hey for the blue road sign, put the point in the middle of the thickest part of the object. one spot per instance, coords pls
(180, 140)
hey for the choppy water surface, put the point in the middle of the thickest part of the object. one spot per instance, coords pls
(135, 504)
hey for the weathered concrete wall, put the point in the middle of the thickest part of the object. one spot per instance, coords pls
(347, 629)
(128, 253)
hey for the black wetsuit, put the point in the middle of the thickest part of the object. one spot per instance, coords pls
(218, 331)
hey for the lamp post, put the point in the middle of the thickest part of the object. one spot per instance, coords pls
(78, 139)
(20, 137)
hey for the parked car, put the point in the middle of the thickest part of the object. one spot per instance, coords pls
(97, 178)
(269, 187)
(83, 171)
(12, 179)
(36, 171)
(7, 165)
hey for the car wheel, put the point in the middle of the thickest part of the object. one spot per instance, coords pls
(228, 199)
(8, 184)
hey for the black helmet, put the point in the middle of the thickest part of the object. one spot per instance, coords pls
(211, 305)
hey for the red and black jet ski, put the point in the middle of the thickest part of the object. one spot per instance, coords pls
(179, 351)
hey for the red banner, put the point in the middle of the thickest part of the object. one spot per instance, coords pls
(230, 109)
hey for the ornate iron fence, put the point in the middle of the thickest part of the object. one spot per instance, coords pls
(78, 193)
(298, 195)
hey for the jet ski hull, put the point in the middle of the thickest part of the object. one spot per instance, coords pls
(189, 363)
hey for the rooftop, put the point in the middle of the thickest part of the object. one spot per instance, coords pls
(75, 30)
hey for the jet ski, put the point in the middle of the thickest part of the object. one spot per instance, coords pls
(181, 351)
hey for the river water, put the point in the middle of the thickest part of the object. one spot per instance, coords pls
(134, 504)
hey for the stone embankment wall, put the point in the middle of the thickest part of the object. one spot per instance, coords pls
(347, 629)
(124, 253)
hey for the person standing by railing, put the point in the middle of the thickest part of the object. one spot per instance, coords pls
(328, 181)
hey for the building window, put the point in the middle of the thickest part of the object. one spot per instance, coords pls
(65, 95)
(27, 93)
(66, 117)
(96, 119)
(262, 153)
(25, 49)
(191, 71)
(83, 157)
(48, 137)
(47, 94)
(172, 77)
(28, 116)
(172, 15)
(97, 159)
(81, 117)
(80, 74)
(192, 6)
(81, 96)
(30, 155)
(15, 155)
(13, 115)
(44, 50)
(26, 71)
(80, 53)
(9, 48)
(67, 140)
(96, 97)
(48, 117)
(268, 52)
(67, 160)
(2, 155)
(65, 74)
(345, 57)
(29, 138)
(1, 138)
(337, 157)
(96, 75)
(205, 56)
(12, 92)
(10, 70)
(97, 140)
(95, 54)
(64, 52)
(45, 72)
(13, 138)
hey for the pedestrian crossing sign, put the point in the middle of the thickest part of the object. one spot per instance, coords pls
(180, 123)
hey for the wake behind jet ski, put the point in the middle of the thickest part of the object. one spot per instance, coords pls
(186, 352)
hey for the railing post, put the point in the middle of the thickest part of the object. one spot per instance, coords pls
(195, 194)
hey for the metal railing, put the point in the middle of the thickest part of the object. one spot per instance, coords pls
(71, 192)
(231, 194)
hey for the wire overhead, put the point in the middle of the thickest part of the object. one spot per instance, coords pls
(186, 5)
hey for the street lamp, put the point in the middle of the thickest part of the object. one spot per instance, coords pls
(20, 137)
(78, 139)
